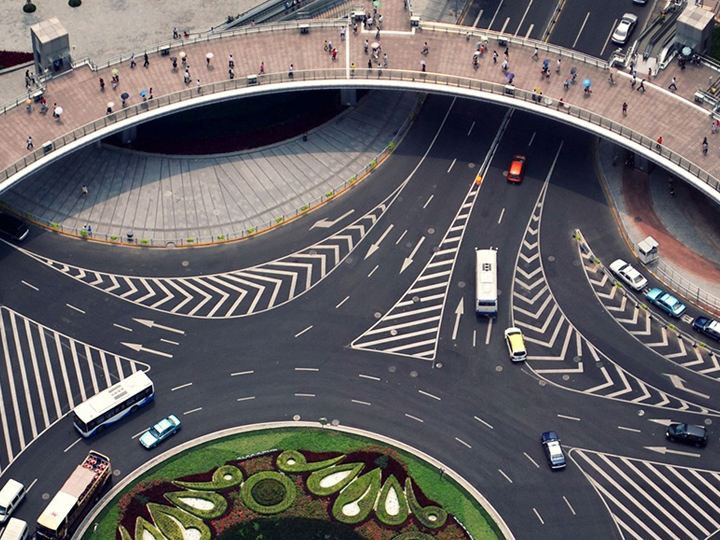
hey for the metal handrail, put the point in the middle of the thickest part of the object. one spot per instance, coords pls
(337, 76)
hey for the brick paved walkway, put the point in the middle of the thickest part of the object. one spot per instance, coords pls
(657, 112)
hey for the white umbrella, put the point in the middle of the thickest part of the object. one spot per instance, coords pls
(110, 104)
(182, 54)
(59, 110)
(209, 55)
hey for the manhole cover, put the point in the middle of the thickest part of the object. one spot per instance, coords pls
(393, 332)
(471, 165)
(551, 258)
(641, 413)
(378, 314)
(296, 417)
(392, 369)
(313, 252)
(577, 359)
(498, 368)
(431, 231)
(116, 472)
(542, 383)
(438, 365)
(335, 422)
(566, 377)
(416, 299)
(461, 284)
(413, 374)
(185, 263)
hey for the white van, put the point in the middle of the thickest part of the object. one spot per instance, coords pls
(10, 496)
(16, 529)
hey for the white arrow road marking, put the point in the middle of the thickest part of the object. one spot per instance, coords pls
(138, 348)
(679, 382)
(374, 247)
(662, 421)
(153, 324)
(409, 260)
(326, 223)
(664, 450)
(459, 311)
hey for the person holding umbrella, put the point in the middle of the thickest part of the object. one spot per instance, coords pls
(587, 83)
(124, 97)
(110, 105)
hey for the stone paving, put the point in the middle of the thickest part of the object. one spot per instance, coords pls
(656, 112)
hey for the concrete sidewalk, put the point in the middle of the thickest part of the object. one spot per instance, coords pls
(679, 218)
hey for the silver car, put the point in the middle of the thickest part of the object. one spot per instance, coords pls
(624, 29)
(631, 277)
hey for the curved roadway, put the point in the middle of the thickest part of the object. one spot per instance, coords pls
(450, 390)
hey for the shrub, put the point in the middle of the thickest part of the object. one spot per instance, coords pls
(113, 237)
(279, 219)
(221, 237)
(190, 240)
(251, 230)
(29, 7)
(268, 492)
(271, 493)
(74, 3)
(144, 241)
(303, 207)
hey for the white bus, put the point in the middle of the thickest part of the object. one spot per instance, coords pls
(113, 403)
(486, 282)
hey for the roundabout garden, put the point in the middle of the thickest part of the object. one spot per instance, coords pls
(300, 483)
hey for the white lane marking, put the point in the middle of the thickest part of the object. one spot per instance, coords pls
(451, 165)
(137, 347)
(341, 303)
(409, 259)
(523, 18)
(538, 516)
(307, 369)
(31, 485)
(431, 196)
(504, 26)
(629, 429)
(192, 411)
(487, 334)
(75, 308)
(429, 395)
(473, 124)
(531, 460)
(29, 285)
(121, 327)
(301, 333)
(568, 417)
(527, 34)
(502, 213)
(373, 270)
(376, 245)
(181, 386)
(532, 139)
(414, 418)
(304, 395)
(483, 422)
(463, 442)
(569, 505)
(241, 373)
(368, 377)
(153, 324)
(168, 341)
(505, 475)
(73, 444)
(245, 398)
(581, 30)
(360, 402)
(607, 39)
(495, 15)
(401, 237)
(474, 338)
(138, 434)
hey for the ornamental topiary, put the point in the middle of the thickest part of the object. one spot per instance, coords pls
(248, 492)
(74, 3)
(29, 7)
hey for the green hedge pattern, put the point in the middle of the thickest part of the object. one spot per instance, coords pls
(252, 504)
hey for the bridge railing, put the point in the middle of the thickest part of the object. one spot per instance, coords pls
(337, 77)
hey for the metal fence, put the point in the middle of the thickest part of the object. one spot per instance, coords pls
(677, 280)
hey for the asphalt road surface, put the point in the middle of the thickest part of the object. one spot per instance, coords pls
(376, 337)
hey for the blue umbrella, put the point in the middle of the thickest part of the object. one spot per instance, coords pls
(143, 93)
(586, 83)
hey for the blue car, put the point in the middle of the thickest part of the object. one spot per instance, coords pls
(709, 327)
(159, 432)
(666, 301)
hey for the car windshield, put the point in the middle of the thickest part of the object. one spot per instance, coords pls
(555, 451)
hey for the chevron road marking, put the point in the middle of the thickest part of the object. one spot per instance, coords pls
(633, 319)
(609, 295)
(621, 307)
(683, 352)
(679, 383)
(662, 343)
(716, 366)
(607, 384)
(648, 328)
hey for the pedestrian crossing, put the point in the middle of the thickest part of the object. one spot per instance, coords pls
(43, 375)
(651, 500)
(647, 327)
(411, 327)
(557, 351)
(237, 293)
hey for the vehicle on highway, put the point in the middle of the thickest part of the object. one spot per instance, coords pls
(640, 2)
(516, 344)
(79, 492)
(11, 495)
(13, 227)
(631, 277)
(167, 427)
(709, 327)
(687, 434)
(16, 529)
(666, 301)
(113, 403)
(553, 450)
(486, 304)
(517, 169)
(624, 29)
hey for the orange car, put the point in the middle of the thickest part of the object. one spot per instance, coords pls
(517, 169)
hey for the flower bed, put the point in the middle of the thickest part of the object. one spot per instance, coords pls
(365, 492)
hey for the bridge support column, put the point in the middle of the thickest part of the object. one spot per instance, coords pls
(348, 97)
(128, 136)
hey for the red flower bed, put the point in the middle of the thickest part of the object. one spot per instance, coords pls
(14, 58)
